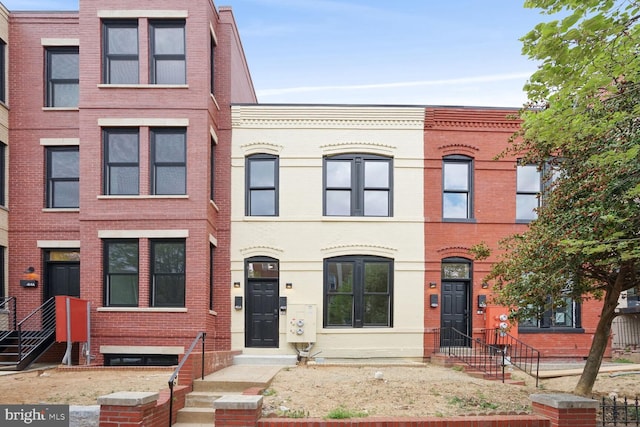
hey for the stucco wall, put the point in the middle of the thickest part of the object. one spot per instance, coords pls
(301, 237)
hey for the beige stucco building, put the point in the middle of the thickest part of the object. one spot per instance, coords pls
(344, 248)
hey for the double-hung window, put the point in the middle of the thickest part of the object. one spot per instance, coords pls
(3, 173)
(3, 72)
(169, 161)
(358, 292)
(120, 273)
(63, 177)
(262, 185)
(121, 161)
(457, 195)
(528, 187)
(120, 52)
(63, 77)
(212, 68)
(167, 50)
(168, 273)
(358, 185)
(2, 275)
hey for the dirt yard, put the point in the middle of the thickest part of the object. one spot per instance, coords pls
(416, 391)
(315, 391)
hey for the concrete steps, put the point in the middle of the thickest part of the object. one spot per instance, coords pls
(236, 379)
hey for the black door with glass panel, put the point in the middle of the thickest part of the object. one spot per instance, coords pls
(261, 306)
(455, 321)
(455, 313)
(262, 314)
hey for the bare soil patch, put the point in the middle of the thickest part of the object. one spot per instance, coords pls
(315, 391)
(77, 387)
(416, 391)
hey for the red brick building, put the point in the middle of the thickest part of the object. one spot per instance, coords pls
(119, 168)
(470, 197)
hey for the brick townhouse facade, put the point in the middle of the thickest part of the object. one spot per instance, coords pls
(119, 168)
(124, 186)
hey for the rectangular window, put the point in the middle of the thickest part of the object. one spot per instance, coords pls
(121, 161)
(212, 67)
(120, 52)
(3, 71)
(357, 185)
(212, 171)
(167, 50)
(168, 161)
(561, 314)
(63, 77)
(456, 188)
(3, 173)
(358, 292)
(63, 177)
(168, 273)
(120, 273)
(212, 251)
(528, 186)
(2, 273)
(262, 185)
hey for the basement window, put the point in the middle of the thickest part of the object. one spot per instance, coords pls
(140, 359)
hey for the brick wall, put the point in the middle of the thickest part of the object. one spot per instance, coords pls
(481, 134)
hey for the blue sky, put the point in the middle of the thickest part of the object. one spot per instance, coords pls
(408, 52)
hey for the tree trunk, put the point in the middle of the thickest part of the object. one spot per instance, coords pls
(600, 338)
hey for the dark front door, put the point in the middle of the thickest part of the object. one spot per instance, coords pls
(63, 278)
(261, 314)
(454, 313)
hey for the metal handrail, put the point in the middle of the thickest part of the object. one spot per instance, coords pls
(30, 328)
(172, 380)
(517, 353)
(473, 352)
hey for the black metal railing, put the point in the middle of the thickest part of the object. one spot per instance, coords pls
(172, 380)
(626, 331)
(473, 352)
(8, 316)
(38, 324)
(619, 412)
(516, 352)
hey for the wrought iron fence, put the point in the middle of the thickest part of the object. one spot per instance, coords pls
(619, 412)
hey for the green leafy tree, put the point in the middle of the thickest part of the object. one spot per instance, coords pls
(582, 126)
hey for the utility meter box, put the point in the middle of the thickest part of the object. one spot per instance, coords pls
(301, 323)
(498, 320)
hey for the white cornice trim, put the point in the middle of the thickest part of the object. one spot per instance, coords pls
(288, 116)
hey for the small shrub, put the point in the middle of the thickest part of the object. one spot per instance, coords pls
(341, 413)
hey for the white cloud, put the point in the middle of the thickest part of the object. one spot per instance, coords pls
(457, 81)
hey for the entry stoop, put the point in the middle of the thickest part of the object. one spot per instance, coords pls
(236, 379)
